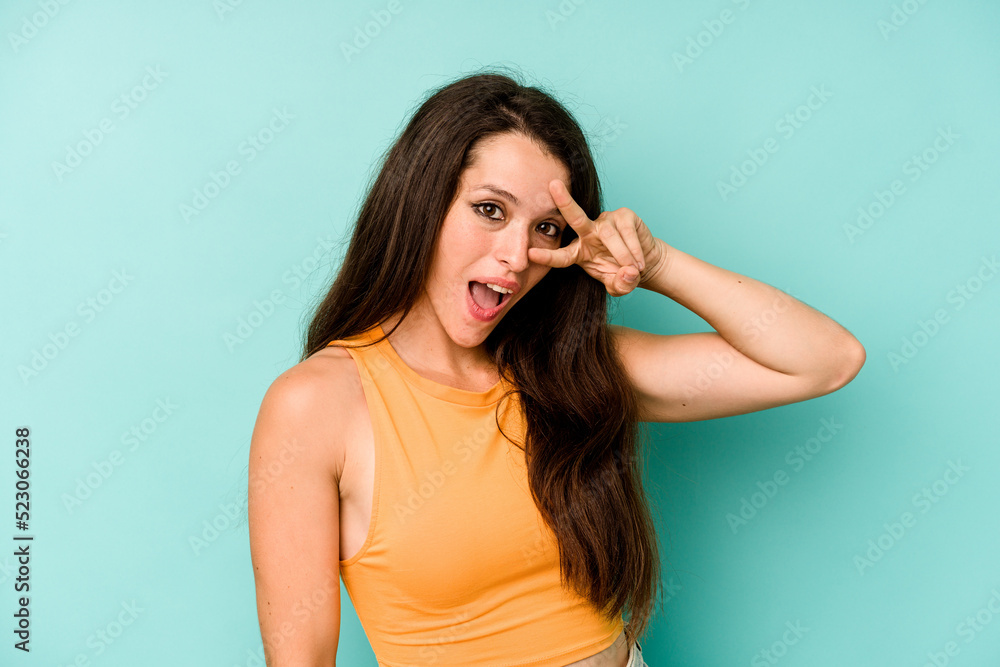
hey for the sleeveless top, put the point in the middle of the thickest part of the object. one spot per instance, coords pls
(458, 567)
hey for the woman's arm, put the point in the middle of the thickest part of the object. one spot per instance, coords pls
(294, 507)
(768, 349)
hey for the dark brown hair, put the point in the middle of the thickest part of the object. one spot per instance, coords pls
(580, 409)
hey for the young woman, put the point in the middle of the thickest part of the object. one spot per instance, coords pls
(459, 440)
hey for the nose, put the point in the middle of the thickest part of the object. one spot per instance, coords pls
(511, 247)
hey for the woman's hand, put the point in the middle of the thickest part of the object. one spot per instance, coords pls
(617, 248)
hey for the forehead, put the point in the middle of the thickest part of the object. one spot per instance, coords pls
(517, 166)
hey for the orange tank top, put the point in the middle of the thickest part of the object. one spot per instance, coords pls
(458, 567)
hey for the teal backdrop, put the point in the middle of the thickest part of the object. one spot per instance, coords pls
(177, 180)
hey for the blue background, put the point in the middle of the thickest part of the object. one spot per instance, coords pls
(201, 312)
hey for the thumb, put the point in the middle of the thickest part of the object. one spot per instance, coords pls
(558, 259)
(539, 255)
(627, 278)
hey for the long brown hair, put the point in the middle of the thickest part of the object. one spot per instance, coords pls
(580, 409)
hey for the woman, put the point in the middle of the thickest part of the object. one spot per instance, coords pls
(468, 419)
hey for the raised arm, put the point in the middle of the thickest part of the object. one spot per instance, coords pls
(296, 460)
(768, 348)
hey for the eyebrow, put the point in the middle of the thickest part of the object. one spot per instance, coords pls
(500, 192)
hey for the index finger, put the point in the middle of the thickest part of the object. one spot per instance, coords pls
(574, 215)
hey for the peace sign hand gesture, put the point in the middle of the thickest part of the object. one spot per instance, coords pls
(617, 248)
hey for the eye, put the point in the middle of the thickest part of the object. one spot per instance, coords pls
(555, 229)
(481, 207)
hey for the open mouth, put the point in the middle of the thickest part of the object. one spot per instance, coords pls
(487, 298)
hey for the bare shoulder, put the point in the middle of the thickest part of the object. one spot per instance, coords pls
(630, 343)
(624, 337)
(620, 331)
(317, 399)
(294, 489)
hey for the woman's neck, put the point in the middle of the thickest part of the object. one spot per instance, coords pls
(426, 347)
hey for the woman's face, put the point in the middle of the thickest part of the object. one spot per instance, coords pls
(503, 207)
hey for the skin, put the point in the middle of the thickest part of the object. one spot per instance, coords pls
(483, 234)
(486, 234)
(766, 349)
